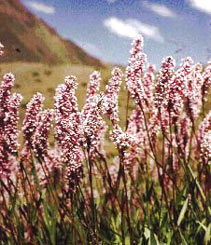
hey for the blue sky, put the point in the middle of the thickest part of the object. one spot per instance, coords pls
(105, 28)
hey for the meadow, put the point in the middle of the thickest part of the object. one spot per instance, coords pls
(121, 159)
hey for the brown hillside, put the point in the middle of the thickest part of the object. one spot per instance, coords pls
(29, 39)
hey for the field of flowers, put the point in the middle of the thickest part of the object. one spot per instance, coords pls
(153, 188)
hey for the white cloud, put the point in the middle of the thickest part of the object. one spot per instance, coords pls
(111, 1)
(202, 5)
(91, 49)
(42, 7)
(130, 28)
(160, 9)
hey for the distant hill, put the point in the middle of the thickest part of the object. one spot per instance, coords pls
(29, 39)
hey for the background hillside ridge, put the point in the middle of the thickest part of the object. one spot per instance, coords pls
(28, 38)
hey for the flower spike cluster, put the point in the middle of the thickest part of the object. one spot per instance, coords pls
(193, 92)
(206, 82)
(11, 123)
(9, 112)
(137, 130)
(33, 108)
(110, 100)
(40, 137)
(204, 138)
(93, 125)
(69, 131)
(1, 49)
(94, 85)
(121, 139)
(160, 134)
(135, 71)
(164, 82)
(148, 84)
(183, 134)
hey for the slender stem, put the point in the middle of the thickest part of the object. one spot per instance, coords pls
(122, 218)
(91, 190)
(127, 205)
(127, 111)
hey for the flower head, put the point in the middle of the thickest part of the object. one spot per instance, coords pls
(164, 81)
(135, 70)
(40, 137)
(11, 117)
(94, 84)
(121, 139)
(206, 81)
(33, 108)
(110, 100)
(1, 49)
(69, 130)
(9, 107)
(204, 137)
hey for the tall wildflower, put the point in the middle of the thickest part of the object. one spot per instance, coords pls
(40, 137)
(163, 82)
(6, 86)
(177, 88)
(36, 126)
(93, 87)
(204, 138)
(69, 132)
(183, 134)
(137, 130)
(194, 89)
(93, 124)
(49, 161)
(126, 144)
(11, 122)
(135, 70)
(206, 81)
(121, 139)
(33, 108)
(183, 76)
(110, 100)
(154, 126)
(1, 49)
(148, 83)
(9, 106)
(136, 126)
(162, 91)
(30, 122)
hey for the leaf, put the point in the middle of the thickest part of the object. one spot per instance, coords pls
(183, 238)
(127, 240)
(207, 235)
(197, 184)
(156, 239)
(202, 225)
(169, 236)
(147, 234)
(182, 212)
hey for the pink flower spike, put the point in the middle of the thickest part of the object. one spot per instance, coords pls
(40, 137)
(69, 131)
(30, 121)
(135, 71)
(204, 138)
(9, 107)
(110, 100)
(1, 49)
